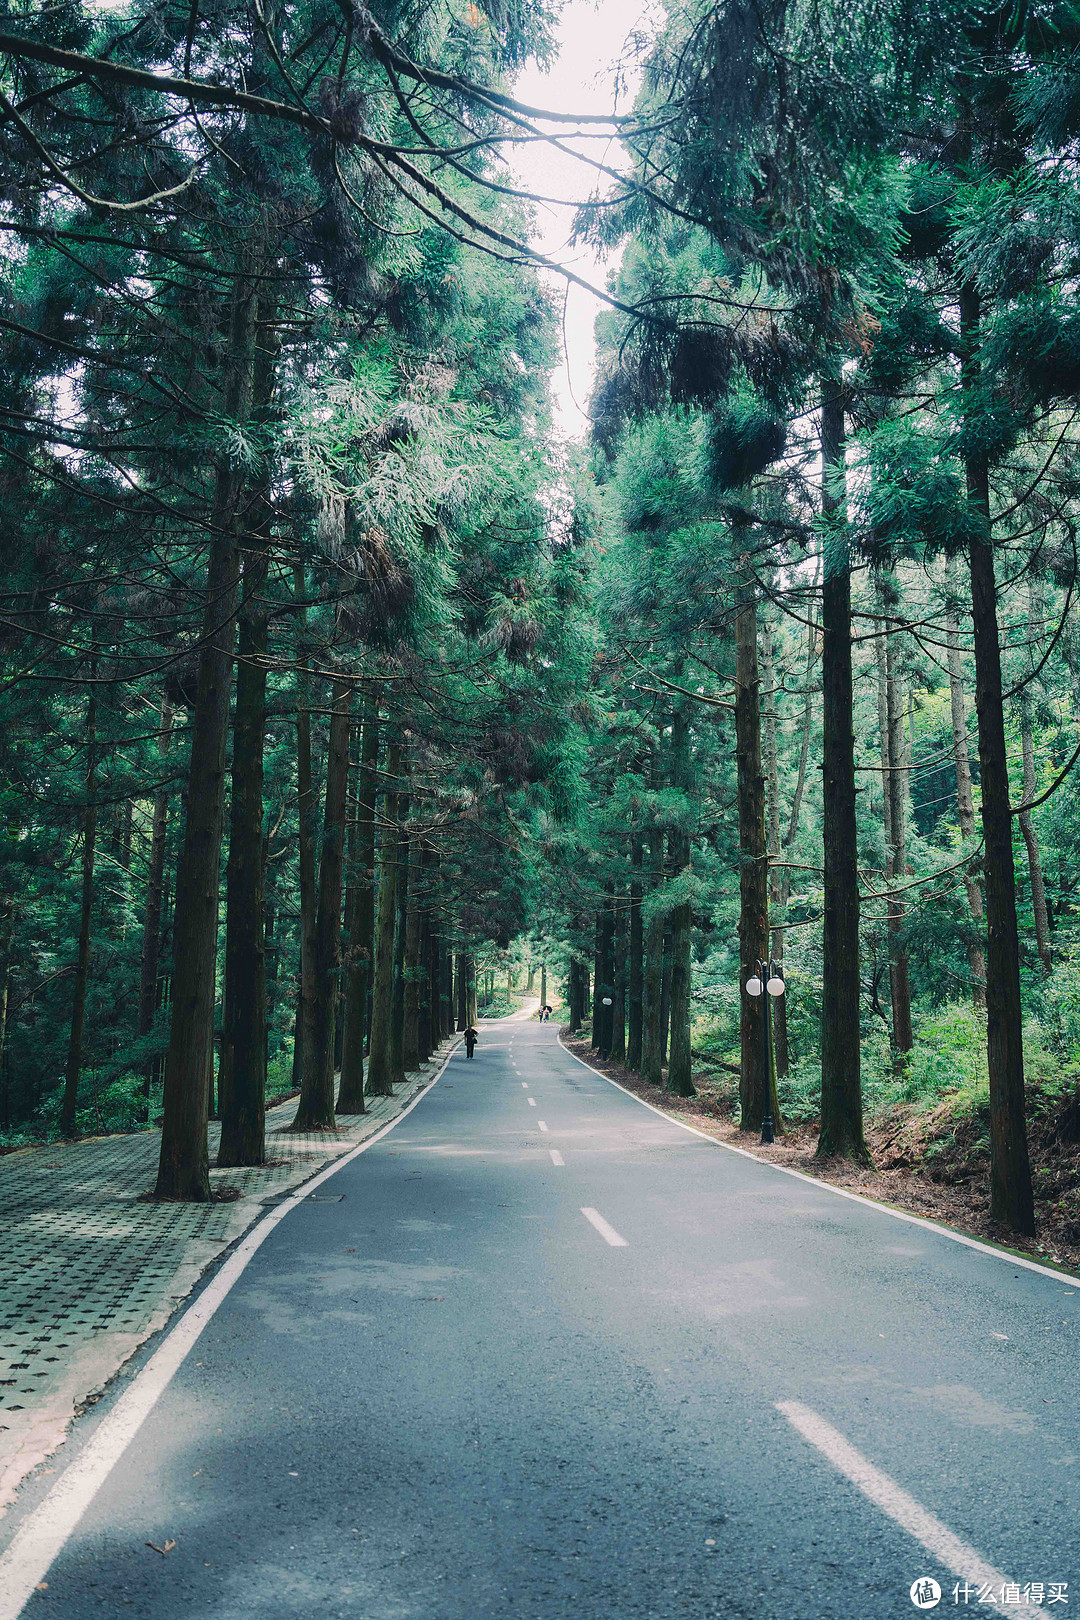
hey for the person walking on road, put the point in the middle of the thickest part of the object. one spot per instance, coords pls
(470, 1041)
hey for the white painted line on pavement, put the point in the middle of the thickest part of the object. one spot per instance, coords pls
(608, 1233)
(40, 1540)
(556, 1156)
(532, 1102)
(524, 1085)
(964, 1562)
(841, 1192)
(541, 1124)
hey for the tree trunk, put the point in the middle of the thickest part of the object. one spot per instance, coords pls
(679, 1078)
(753, 870)
(7, 926)
(679, 1074)
(808, 715)
(598, 981)
(604, 987)
(812, 649)
(123, 842)
(665, 984)
(447, 998)
(604, 992)
(652, 1042)
(424, 1041)
(462, 991)
(776, 887)
(271, 947)
(434, 959)
(965, 804)
(380, 1082)
(543, 984)
(164, 993)
(635, 986)
(884, 751)
(1027, 826)
(410, 1037)
(315, 1110)
(401, 897)
(894, 815)
(841, 1085)
(619, 950)
(1011, 1200)
(155, 880)
(304, 1041)
(577, 994)
(242, 1079)
(360, 914)
(899, 977)
(82, 960)
(183, 1169)
(471, 1014)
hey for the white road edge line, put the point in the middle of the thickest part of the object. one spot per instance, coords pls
(608, 1233)
(556, 1156)
(827, 1186)
(40, 1540)
(964, 1562)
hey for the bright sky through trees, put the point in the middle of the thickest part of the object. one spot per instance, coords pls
(586, 77)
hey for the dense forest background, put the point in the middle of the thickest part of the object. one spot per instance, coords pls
(337, 692)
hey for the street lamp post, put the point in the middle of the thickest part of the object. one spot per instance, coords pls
(766, 978)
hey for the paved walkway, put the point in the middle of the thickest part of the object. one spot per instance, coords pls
(88, 1270)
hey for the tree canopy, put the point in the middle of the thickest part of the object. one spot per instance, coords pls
(332, 681)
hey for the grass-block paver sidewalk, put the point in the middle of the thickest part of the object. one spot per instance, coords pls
(89, 1268)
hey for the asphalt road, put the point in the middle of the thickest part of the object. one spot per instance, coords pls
(452, 1395)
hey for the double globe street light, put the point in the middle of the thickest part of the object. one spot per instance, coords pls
(607, 1026)
(766, 976)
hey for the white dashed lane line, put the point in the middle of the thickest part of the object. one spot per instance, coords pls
(532, 1102)
(556, 1156)
(963, 1561)
(607, 1232)
(542, 1124)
